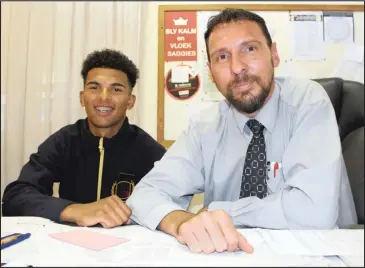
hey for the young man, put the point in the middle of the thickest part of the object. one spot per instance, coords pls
(268, 156)
(97, 161)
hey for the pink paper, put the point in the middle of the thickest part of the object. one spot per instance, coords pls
(88, 239)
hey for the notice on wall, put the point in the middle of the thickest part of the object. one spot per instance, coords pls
(351, 65)
(182, 82)
(339, 27)
(180, 74)
(307, 35)
(180, 36)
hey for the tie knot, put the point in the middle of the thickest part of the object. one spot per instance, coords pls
(255, 126)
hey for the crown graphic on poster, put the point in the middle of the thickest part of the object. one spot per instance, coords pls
(181, 22)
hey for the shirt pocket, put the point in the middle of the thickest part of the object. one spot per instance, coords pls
(275, 183)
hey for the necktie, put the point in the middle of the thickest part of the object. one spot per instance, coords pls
(254, 170)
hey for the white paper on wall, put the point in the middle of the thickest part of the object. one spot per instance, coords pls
(339, 27)
(180, 74)
(351, 65)
(307, 35)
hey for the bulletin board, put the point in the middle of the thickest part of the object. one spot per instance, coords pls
(184, 86)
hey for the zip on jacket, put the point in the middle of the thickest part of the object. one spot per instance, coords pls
(101, 162)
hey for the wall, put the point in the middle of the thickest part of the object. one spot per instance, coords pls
(147, 99)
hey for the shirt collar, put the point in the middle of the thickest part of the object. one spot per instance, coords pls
(266, 116)
(92, 141)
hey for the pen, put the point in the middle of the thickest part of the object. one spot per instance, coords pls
(272, 168)
(13, 239)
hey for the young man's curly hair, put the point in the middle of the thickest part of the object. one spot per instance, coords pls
(110, 59)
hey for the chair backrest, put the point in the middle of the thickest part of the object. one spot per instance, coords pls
(353, 154)
(352, 108)
(347, 98)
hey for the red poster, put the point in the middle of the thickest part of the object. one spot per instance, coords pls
(180, 36)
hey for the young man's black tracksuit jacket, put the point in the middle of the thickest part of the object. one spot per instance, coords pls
(71, 156)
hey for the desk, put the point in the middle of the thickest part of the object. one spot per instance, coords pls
(357, 226)
(145, 248)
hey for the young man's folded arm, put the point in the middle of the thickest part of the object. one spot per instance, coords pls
(31, 193)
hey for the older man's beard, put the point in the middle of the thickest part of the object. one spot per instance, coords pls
(248, 103)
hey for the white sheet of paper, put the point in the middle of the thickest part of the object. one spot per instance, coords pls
(350, 70)
(316, 242)
(289, 68)
(145, 248)
(354, 53)
(353, 261)
(172, 254)
(307, 36)
(180, 74)
(351, 65)
(13, 264)
(339, 29)
(208, 89)
(194, 110)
